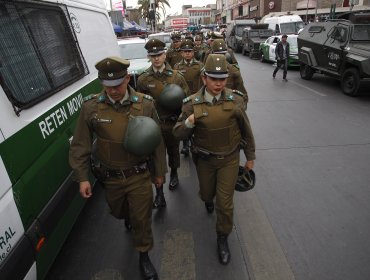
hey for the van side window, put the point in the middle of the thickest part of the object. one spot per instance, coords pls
(38, 50)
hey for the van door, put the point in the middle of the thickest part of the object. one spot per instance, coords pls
(332, 47)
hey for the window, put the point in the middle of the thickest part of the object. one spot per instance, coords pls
(38, 50)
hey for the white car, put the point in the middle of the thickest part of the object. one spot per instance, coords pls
(133, 50)
(267, 49)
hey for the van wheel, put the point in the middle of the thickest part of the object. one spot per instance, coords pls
(306, 72)
(350, 82)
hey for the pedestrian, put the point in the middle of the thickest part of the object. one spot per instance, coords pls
(152, 82)
(216, 120)
(125, 176)
(191, 69)
(174, 53)
(282, 55)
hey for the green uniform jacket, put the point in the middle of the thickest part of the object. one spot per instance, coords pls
(81, 146)
(173, 56)
(152, 84)
(181, 131)
(192, 73)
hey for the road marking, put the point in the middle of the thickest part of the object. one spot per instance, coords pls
(108, 274)
(310, 89)
(264, 256)
(178, 259)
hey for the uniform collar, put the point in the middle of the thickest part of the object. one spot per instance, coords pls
(209, 97)
(122, 100)
(160, 70)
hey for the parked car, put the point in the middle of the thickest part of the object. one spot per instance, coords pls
(133, 50)
(337, 48)
(267, 49)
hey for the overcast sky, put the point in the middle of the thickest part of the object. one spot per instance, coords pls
(175, 4)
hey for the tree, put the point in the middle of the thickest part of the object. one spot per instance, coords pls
(144, 7)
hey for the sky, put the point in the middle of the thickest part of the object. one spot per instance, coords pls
(175, 4)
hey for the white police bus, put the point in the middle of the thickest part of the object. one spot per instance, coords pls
(48, 50)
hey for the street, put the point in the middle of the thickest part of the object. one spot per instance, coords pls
(308, 217)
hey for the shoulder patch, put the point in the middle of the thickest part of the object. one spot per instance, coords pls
(148, 97)
(186, 100)
(238, 92)
(89, 97)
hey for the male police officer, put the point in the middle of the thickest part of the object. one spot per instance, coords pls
(217, 36)
(191, 69)
(125, 176)
(153, 82)
(234, 80)
(216, 119)
(174, 53)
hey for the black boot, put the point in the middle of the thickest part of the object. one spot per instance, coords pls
(185, 148)
(159, 200)
(210, 207)
(223, 249)
(174, 180)
(146, 267)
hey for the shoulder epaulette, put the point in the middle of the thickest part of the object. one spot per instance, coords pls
(186, 100)
(238, 92)
(89, 97)
(148, 97)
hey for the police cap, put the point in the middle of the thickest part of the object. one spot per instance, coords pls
(155, 47)
(216, 66)
(216, 35)
(219, 46)
(187, 45)
(176, 36)
(112, 70)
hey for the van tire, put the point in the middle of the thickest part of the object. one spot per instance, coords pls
(306, 72)
(350, 82)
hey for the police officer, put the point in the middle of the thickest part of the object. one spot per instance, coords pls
(199, 47)
(125, 176)
(153, 82)
(234, 80)
(216, 120)
(217, 36)
(174, 53)
(191, 69)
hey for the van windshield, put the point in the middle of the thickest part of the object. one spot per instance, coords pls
(291, 27)
(361, 32)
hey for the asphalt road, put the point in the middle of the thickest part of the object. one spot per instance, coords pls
(307, 219)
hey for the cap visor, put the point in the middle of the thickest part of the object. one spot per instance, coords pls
(156, 53)
(112, 83)
(217, 76)
(219, 52)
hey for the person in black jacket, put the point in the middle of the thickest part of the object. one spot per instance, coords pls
(282, 55)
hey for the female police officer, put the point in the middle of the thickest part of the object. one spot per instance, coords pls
(216, 120)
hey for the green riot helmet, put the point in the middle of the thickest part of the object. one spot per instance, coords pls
(171, 97)
(229, 59)
(246, 180)
(142, 136)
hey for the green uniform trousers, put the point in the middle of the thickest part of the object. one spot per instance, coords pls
(172, 145)
(133, 198)
(217, 177)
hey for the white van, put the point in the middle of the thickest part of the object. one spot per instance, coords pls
(286, 24)
(165, 37)
(48, 50)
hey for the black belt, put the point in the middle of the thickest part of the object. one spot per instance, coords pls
(126, 173)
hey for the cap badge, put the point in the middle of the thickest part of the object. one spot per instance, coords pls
(154, 48)
(110, 75)
(217, 58)
(218, 68)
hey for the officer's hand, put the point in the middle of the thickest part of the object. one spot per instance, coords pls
(249, 165)
(85, 189)
(158, 181)
(191, 119)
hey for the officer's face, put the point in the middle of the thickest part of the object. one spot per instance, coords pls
(198, 42)
(214, 85)
(157, 60)
(177, 44)
(187, 54)
(118, 92)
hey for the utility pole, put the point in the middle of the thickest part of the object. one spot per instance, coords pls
(152, 14)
